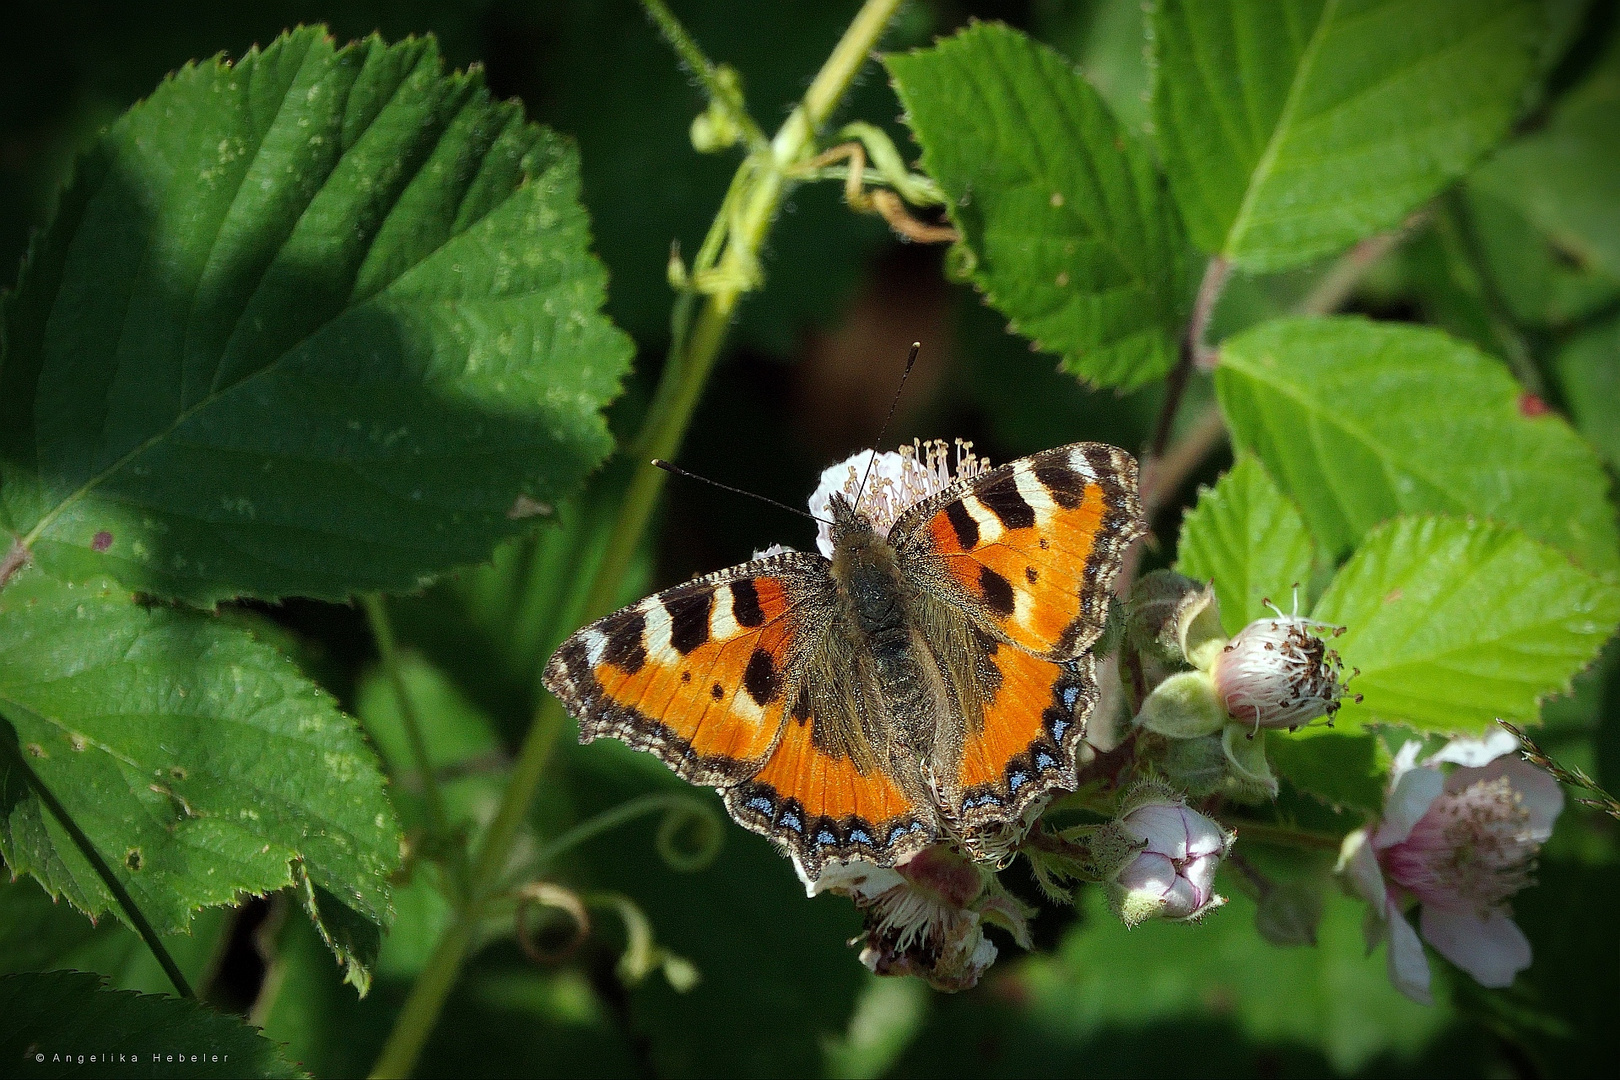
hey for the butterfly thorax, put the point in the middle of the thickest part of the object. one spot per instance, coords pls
(867, 571)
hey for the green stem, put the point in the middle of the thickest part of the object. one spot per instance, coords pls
(108, 878)
(1284, 835)
(388, 647)
(750, 208)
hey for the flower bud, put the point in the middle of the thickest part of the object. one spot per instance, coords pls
(1279, 673)
(1174, 621)
(1183, 706)
(1172, 875)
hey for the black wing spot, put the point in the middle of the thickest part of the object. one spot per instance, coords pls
(1004, 501)
(998, 591)
(745, 604)
(717, 691)
(1068, 487)
(1031, 575)
(626, 648)
(1045, 544)
(967, 530)
(801, 705)
(761, 679)
(686, 676)
(689, 618)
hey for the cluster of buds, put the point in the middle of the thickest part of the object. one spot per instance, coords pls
(1212, 699)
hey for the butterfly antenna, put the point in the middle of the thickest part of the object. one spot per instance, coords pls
(676, 470)
(911, 360)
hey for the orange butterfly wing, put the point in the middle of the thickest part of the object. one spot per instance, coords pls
(703, 675)
(1033, 547)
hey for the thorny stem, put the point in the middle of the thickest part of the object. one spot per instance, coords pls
(745, 218)
(693, 57)
(126, 902)
(1194, 353)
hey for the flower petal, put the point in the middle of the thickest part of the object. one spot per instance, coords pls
(1405, 758)
(1542, 796)
(1473, 753)
(1408, 967)
(1409, 800)
(1359, 865)
(857, 878)
(1493, 950)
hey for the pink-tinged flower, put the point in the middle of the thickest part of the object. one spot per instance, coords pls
(1172, 876)
(926, 915)
(899, 480)
(1460, 844)
(1279, 673)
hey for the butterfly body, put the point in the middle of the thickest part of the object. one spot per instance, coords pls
(932, 682)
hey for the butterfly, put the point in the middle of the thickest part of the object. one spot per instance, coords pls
(930, 684)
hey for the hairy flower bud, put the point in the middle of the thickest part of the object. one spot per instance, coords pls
(1173, 621)
(1172, 875)
(1279, 673)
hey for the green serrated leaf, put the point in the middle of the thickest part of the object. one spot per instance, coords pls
(1071, 236)
(1248, 538)
(1291, 130)
(1342, 768)
(200, 763)
(308, 323)
(1588, 368)
(1454, 624)
(64, 1023)
(1360, 421)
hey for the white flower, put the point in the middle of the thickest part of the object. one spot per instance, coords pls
(898, 481)
(1279, 673)
(1172, 876)
(1460, 844)
(926, 915)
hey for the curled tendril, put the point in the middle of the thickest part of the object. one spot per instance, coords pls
(690, 835)
(684, 816)
(547, 895)
(642, 954)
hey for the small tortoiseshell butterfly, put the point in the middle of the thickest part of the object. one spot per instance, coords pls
(932, 683)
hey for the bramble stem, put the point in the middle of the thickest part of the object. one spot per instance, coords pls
(126, 902)
(732, 250)
(1284, 835)
(693, 57)
(382, 631)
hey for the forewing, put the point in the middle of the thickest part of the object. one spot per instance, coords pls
(695, 674)
(1032, 548)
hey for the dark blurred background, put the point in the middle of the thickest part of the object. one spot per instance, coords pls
(810, 372)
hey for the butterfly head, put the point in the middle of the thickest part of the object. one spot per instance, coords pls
(851, 529)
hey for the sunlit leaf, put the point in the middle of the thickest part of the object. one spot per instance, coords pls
(1454, 624)
(1249, 539)
(1360, 421)
(1292, 129)
(1070, 234)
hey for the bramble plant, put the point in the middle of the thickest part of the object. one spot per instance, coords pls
(313, 449)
